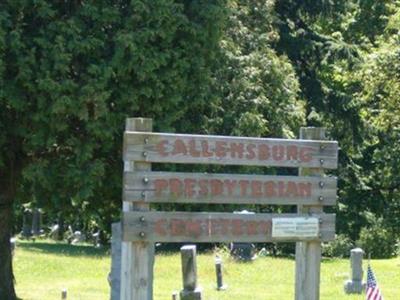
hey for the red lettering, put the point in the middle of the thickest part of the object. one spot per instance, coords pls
(304, 189)
(243, 187)
(292, 152)
(179, 148)
(263, 152)
(251, 227)
(278, 152)
(204, 149)
(291, 190)
(230, 184)
(192, 149)
(189, 187)
(237, 227)
(203, 184)
(306, 154)
(256, 188)
(250, 151)
(265, 227)
(193, 228)
(175, 186)
(281, 189)
(177, 227)
(160, 185)
(214, 226)
(224, 226)
(270, 189)
(161, 149)
(159, 227)
(220, 149)
(237, 149)
(216, 187)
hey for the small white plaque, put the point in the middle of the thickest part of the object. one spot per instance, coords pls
(295, 227)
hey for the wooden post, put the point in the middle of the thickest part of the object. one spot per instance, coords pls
(137, 257)
(189, 274)
(115, 274)
(308, 254)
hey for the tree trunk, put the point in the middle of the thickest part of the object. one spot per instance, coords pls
(7, 291)
(8, 184)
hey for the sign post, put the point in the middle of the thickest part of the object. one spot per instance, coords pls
(308, 254)
(137, 259)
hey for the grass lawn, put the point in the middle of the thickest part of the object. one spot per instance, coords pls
(43, 269)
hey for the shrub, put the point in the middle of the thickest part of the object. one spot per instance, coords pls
(377, 241)
(340, 247)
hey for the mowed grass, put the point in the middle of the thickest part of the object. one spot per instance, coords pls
(43, 269)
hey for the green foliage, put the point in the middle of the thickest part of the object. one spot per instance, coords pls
(257, 88)
(340, 247)
(71, 72)
(378, 241)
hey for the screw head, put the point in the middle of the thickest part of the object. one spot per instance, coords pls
(321, 161)
(321, 184)
(146, 180)
(146, 140)
(320, 220)
(321, 198)
(142, 234)
(143, 195)
(145, 153)
(141, 219)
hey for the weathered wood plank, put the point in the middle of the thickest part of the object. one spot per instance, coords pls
(213, 227)
(228, 188)
(208, 149)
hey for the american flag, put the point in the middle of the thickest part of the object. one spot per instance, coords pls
(373, 292)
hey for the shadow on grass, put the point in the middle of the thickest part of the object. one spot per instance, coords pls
(63, 249)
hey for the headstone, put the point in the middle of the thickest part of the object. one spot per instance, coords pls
(115, 274)
(242, 251)
(64, 294)
(13, 242)
(54, 231)
(189, 274)
(96, 239)
(218, 271)
(36, 222)
(78, 237)
(355, 285)
(27, 223)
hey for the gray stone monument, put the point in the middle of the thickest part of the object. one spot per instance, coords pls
(189, 274)
(13, 242)
(114, 277)
(36, 222)
(218, 272)
(26, 223)
(355, 285)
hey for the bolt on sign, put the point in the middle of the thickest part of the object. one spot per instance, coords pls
(145, 186)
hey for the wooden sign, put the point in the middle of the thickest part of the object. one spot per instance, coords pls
(208, 149)
(216, 227)
(228, 188)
